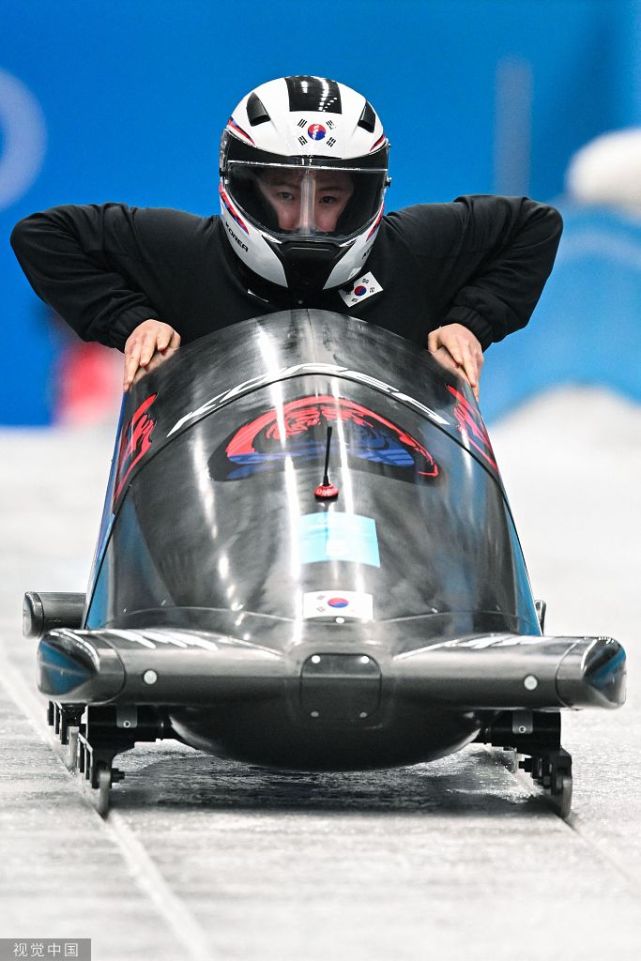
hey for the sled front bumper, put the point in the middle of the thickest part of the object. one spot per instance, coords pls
(483, 672)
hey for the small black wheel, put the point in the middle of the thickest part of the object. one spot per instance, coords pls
(537, 769)
(562, 796)
(104, 787)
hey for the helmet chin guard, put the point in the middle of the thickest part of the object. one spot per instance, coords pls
(303, 175)
(308, 264)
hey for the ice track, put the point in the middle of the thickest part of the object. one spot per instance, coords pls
(207, 860)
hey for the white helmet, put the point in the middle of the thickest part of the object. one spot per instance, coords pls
(303, 174)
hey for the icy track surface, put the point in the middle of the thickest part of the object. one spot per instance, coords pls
(204, 860)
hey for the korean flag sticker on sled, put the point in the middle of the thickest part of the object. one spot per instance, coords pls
(338, 604)
(361, 289)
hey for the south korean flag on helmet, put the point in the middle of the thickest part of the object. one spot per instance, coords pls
(303, 175)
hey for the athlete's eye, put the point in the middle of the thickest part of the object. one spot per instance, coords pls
(285, 195)
(328, 200)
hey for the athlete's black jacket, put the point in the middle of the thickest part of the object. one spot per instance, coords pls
(481, 261)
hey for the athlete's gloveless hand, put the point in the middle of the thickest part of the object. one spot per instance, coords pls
(458, 350)
(147, 346)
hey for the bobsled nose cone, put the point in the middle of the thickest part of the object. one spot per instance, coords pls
(593, 672)
(72, 669)
(61, 672)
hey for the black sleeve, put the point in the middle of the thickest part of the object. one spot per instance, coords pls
(82, 261)
(493, 257)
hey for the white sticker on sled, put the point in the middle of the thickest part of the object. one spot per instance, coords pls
(338, 604)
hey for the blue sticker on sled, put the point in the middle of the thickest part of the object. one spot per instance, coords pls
(338, 536)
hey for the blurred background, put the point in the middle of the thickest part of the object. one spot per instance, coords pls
(125, 100)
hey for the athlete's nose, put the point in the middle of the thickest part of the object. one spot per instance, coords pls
(288, 219)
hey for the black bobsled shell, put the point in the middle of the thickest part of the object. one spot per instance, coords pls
(382, 626)
(411, 455)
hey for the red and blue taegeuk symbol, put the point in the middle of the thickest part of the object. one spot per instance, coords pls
(360, 290)
(316, 131)
(298, 431)
(338, 602)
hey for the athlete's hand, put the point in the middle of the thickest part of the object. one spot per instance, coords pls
(457, 349)
(149, 344)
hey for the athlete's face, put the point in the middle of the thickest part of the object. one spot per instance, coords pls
(307, 200)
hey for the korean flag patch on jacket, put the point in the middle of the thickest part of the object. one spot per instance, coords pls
(361, 289)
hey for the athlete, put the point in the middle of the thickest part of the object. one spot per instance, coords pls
(303, 176)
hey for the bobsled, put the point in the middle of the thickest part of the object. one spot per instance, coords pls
(307, 561)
